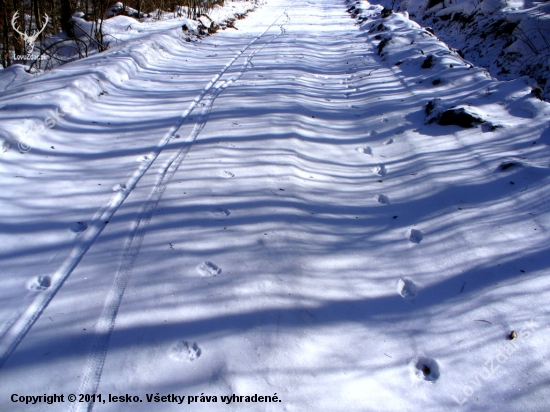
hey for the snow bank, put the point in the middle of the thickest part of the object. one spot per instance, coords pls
(422, 58)
(510, 39)
(88, 79)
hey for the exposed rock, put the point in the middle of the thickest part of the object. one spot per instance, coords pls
(386, 12)
(428, 62)
(459, 116)
(462, 115)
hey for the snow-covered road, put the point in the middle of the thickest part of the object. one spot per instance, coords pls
(266, 212)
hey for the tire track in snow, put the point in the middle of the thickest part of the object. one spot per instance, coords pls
(106, 323)
(18, 329)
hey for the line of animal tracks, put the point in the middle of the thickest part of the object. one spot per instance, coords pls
(106, 323)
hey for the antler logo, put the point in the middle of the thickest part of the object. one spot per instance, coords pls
(29, 40)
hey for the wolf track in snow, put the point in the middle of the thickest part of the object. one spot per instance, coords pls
(416, 236)
(220, 212)
(406, 288)
(185, 351)
(119, 187)
(366, 150)
(426, 369)
(382, 199)
(208, 269)
(142, 159)
(380, 170)
(77, 227)
(39, 283)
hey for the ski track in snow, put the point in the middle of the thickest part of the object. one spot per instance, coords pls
(106, 323)
(15, 330)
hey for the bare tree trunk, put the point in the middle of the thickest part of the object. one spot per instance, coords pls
(18, 45)
(67, 17)
(53, 12)
(6, 58)
(36, 10)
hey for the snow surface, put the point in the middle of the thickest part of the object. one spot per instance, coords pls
(510, 38)
(269, 211)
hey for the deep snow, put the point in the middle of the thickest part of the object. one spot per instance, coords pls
(509, 38)
(270, 211)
